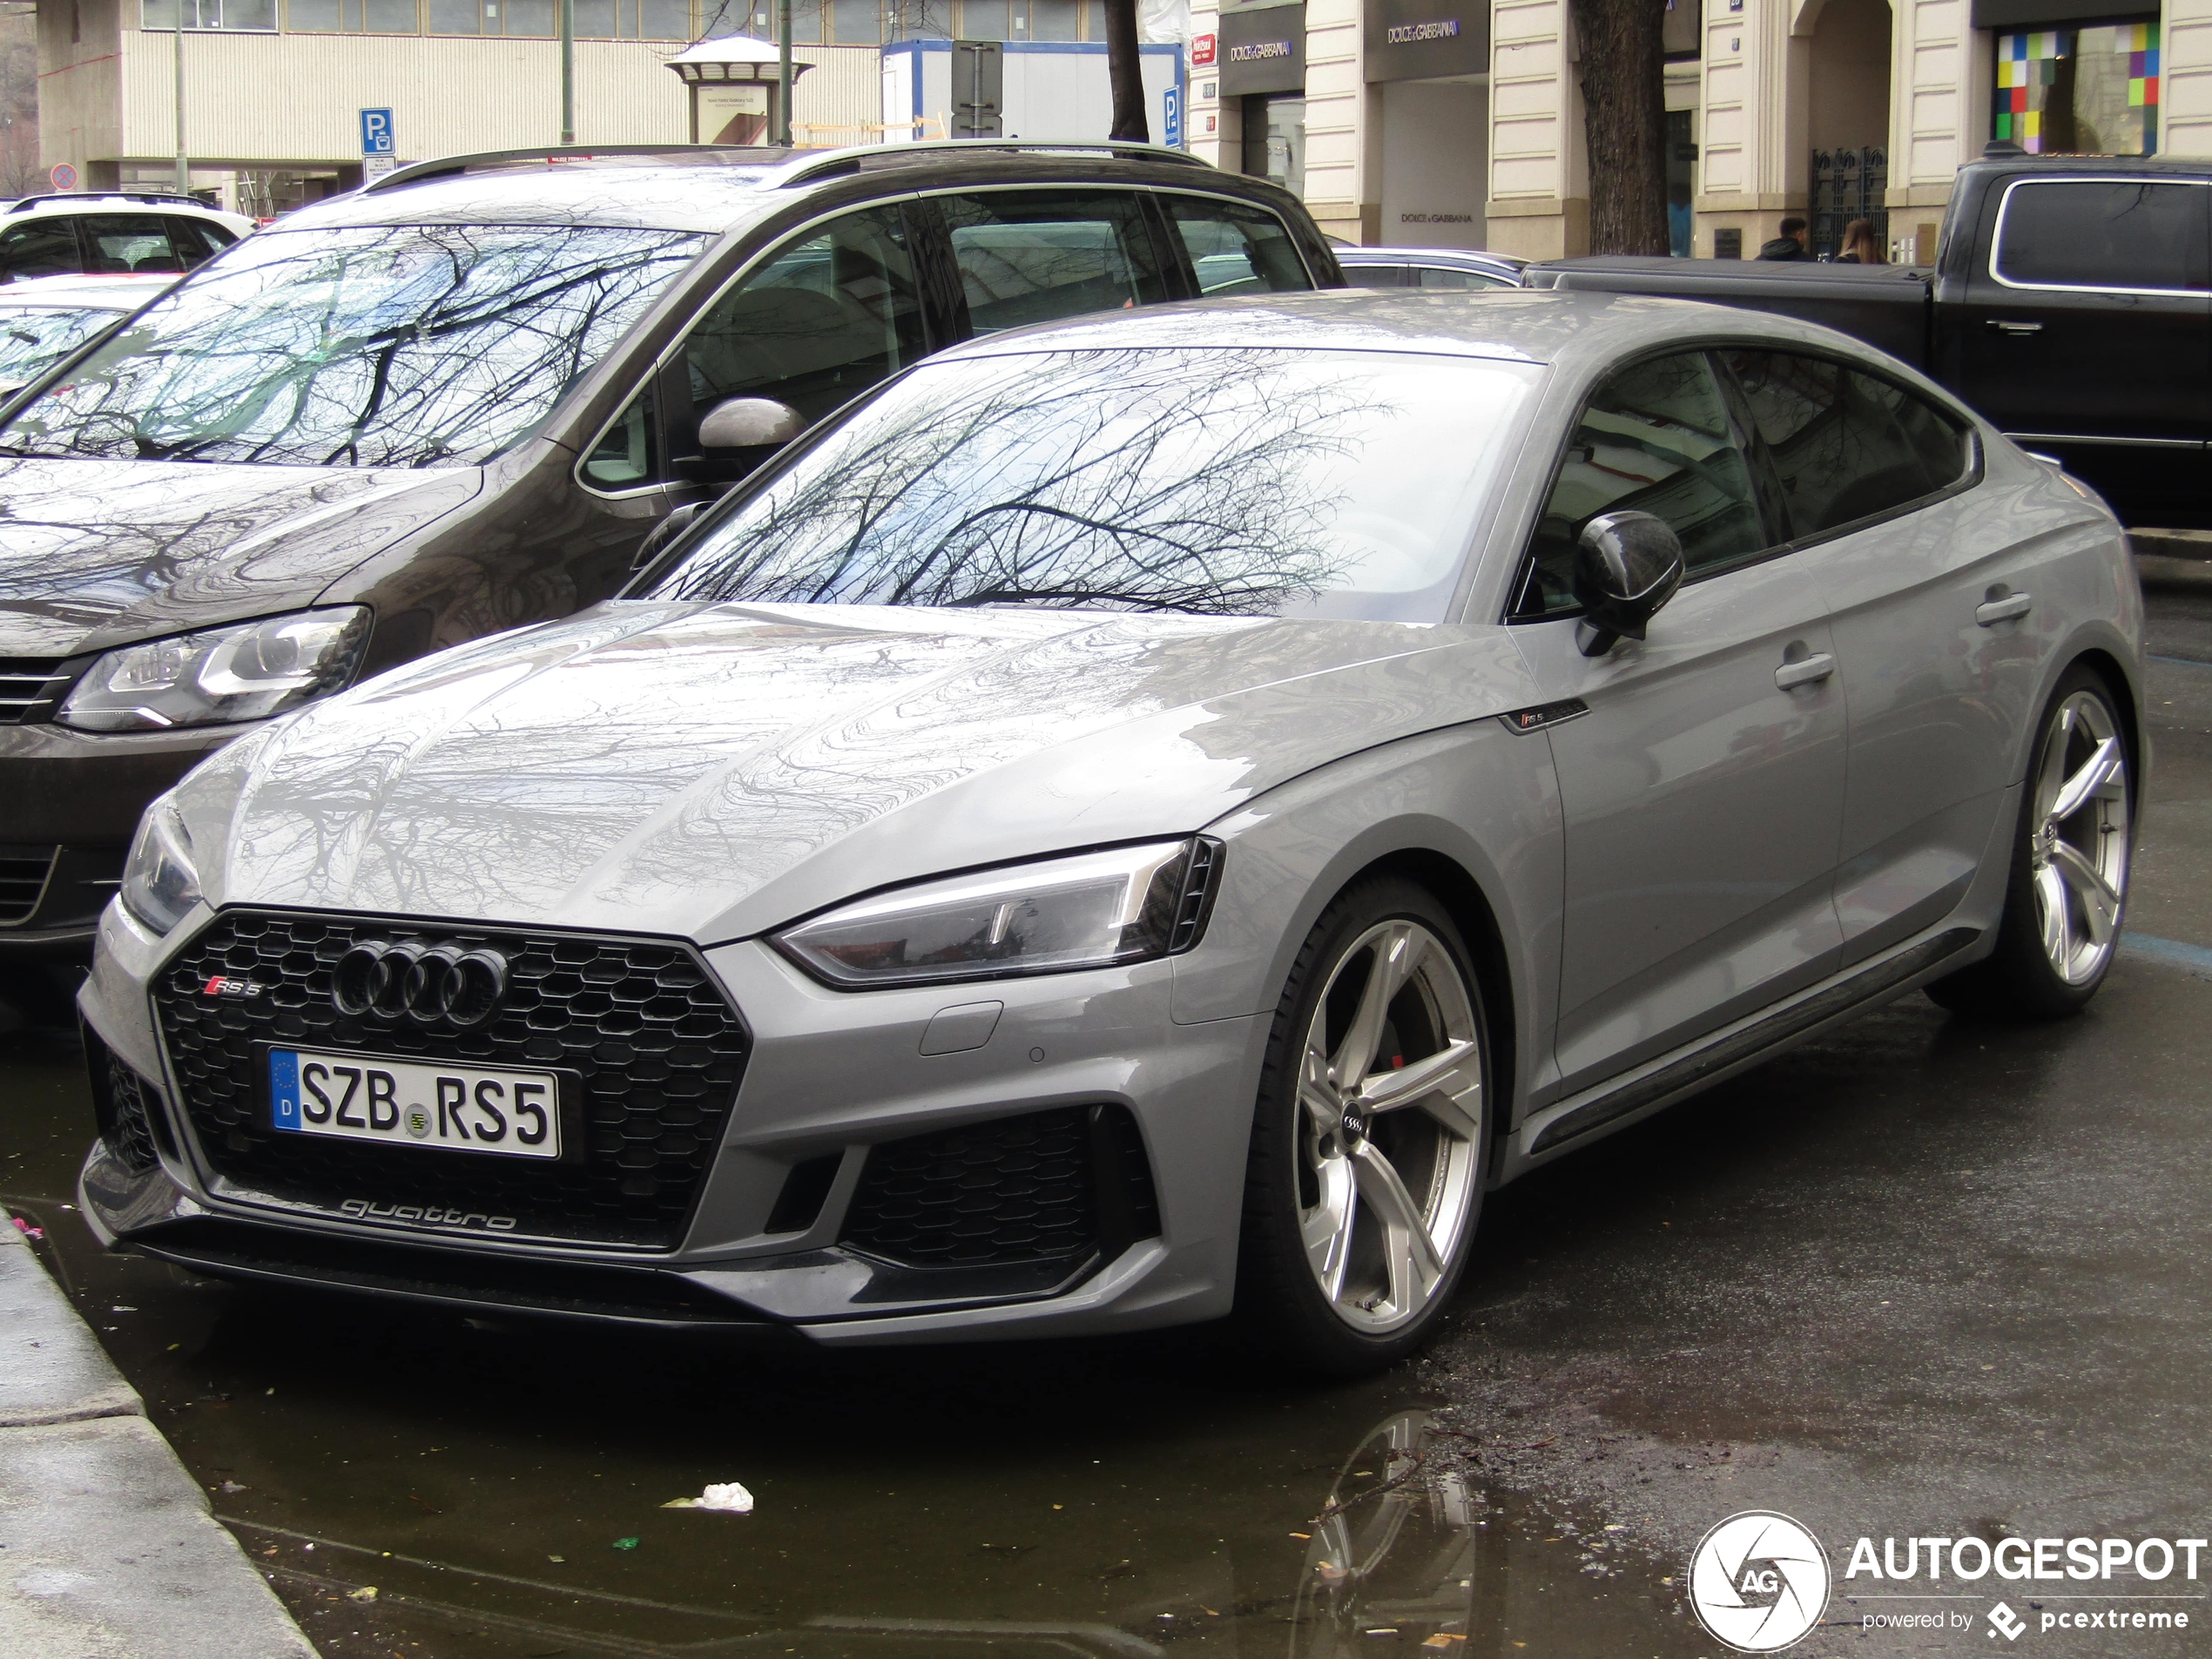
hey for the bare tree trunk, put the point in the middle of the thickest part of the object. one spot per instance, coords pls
(1126, 73)
(1624, 112)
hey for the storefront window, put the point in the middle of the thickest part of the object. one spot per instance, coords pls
(210, 14)
(2092, 91)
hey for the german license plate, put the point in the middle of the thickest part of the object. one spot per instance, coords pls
(401, 1103)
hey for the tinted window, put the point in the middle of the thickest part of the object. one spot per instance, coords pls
(413, 347)
(1236, 249)
(1377, 276)
(1655, 439)
(627, 454)
(1032, 256)
(1439, 277)
(2106, 235)
(818, 324)
(1220, 481)
(196, 239)
(1845, 445)
(115, 242)
(43, 247)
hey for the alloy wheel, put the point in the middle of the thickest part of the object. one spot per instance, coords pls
(1390, 1098)
(2078, 855)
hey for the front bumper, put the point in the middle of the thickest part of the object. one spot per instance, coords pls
(73, 802)
(836, 1097)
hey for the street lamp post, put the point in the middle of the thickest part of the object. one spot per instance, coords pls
(783, 73)
(184, 165)
(567, 72)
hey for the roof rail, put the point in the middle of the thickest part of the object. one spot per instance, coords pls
(448, 166)
(806, 170)
(106, 195)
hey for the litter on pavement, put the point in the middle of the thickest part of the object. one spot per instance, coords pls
(729, 1498)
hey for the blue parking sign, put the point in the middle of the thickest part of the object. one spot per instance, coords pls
(376, 133)
(1171, 108)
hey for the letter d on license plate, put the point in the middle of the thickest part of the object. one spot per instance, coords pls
(413, 1102)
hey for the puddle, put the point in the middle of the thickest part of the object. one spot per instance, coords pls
(502, 1487)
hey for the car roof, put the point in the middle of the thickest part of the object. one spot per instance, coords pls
(1571, 329)
(113, 201)
(717, 188)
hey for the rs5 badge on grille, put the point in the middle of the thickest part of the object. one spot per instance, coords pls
(412, 1102)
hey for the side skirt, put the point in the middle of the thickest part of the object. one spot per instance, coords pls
(1670, 1080)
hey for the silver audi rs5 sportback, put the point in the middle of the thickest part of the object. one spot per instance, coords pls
(1136, 820)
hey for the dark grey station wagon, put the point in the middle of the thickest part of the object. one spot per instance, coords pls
(460, 400)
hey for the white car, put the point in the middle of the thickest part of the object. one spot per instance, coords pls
(112, 233)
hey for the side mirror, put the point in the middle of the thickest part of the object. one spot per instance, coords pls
(749, 424)
(663, 533)
(1627, 565)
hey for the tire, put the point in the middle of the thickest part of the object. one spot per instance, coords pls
(1347, 1168)
(2066, 899)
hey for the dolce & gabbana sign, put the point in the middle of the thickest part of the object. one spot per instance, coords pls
(1262, 50)
(1418, 40)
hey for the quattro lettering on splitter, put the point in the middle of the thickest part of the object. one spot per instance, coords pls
(430, 1215)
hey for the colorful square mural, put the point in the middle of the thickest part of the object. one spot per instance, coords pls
(2092, 91)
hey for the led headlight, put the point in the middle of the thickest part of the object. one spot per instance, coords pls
(1091, 910)
(160, 882)
(247, 671)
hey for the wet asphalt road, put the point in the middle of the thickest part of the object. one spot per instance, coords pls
(1920, 1277)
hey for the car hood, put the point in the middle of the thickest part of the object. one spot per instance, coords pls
(98, 553)
(710, 772)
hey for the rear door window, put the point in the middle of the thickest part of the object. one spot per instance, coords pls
(196, 240)
(1449, 280)
(1378, 276)
(1028, 256)
(818, 324)
(43, 246)
(1845, 445)
(1656, 438)
(2106, 233)
(133, 242)
(1235, 248)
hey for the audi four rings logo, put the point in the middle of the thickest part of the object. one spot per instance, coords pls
(428, 984)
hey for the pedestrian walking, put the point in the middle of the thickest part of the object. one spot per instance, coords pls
(1861, 246)
(1790, 245)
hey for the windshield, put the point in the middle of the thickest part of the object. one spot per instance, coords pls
(35, 338)
(412, 345)
(1220, 482)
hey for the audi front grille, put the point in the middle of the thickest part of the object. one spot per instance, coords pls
(657, 1048)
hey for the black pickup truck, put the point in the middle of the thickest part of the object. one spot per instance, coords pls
(2070, 302)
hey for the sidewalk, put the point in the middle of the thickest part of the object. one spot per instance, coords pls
(107, 1549)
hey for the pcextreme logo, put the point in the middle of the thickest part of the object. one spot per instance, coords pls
(1758, 1581)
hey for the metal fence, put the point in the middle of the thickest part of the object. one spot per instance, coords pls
(1848, 185)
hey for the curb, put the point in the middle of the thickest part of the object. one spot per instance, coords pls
(108, 1548)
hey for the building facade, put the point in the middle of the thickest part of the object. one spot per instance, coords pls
(1460, 122)
(273, 89)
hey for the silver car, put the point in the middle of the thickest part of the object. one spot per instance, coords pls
(1137, 821)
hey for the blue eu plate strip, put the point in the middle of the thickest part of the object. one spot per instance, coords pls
(284, 1088)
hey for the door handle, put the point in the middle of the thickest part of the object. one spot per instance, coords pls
(2016, 328)
(1808, 670)
(2003, 610)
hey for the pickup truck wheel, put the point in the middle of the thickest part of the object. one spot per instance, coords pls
(1369, 1139)
(2067, 893)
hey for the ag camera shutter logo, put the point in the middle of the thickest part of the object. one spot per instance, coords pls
(1759, 1582)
